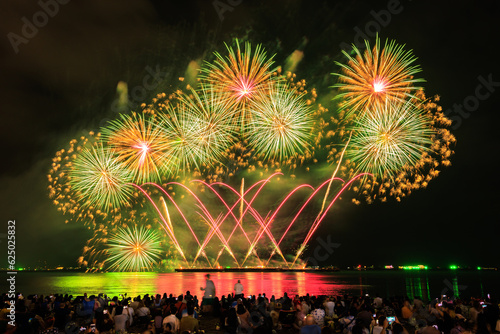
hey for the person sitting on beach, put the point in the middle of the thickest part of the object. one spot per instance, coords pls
(61, 314)
(167, 329)
(329, 307)
(300, 315)
(157, 301)
(184, 311)
(129, 311)
(286, 303)
(232, 321)
(381, 326)
(406, 310)
(319, 314)
(143, 313)
(120, 319)
(397, 328)
(348, 321)
(244, 316)
(387, 309)
(310, 326)
(171, 319)
(306, 307)
(188, 296)
(189, 323)
(275, 312)
(87, 310)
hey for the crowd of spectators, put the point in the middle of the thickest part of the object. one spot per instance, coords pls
(233, 314)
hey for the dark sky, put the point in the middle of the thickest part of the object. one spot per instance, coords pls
(62, 80)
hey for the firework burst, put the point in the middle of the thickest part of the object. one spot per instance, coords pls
(376, 76)
(214, 131)
(420, 169)
(240, 76)
(198, 128)
(134, 249)
(282, 123)
(243, 119)
(99, 178)
(140, 145)
(389, 137)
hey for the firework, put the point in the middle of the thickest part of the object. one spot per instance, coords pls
(376, 76)
(99, 179)
(241, 75)
(389, 137)
(417, 174)
(214, 131)
(198, 128)
(243, 118)
(134, 249)
(282, 123)
(140, 145)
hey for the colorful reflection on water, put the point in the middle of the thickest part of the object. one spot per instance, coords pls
(425, 285)
(177, 283)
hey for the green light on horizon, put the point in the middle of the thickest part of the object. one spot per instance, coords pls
(479, 268)
(417, 267)
(228, 267)
(453, 267)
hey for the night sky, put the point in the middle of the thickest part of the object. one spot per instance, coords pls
(62, 80)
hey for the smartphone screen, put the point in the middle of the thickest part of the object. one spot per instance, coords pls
(391, 319)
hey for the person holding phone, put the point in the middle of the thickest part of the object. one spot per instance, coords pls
(381, 326)
(121, 319)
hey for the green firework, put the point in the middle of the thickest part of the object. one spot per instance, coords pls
(134, 249)
(389, 137)
(99, 179)
(281, 124)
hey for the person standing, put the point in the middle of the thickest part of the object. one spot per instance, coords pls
(209, 288)
(238, 290)
(209, 295)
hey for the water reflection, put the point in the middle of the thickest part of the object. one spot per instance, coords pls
(425, 285)
(417, 287)
(176, 283)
